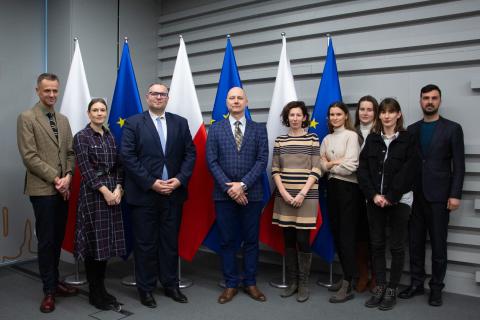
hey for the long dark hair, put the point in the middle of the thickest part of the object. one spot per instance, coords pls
(389, 104)
(342, 106)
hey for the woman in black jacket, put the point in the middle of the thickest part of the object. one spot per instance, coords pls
(385, 175)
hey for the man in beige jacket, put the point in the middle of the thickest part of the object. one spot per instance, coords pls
(44, 140)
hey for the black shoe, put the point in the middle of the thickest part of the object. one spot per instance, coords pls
(146, 298)
(435, 298)
(389, 299)
(376, 299)
(175, 294)
(411, 291)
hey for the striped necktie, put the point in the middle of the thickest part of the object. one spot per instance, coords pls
(53, 124)
(238, 135)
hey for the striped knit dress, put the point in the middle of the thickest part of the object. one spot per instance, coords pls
(294, 160)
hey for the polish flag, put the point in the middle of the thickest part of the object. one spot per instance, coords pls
(74, 106)
(198, 211)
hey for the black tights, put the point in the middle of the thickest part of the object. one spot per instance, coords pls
(297, 238)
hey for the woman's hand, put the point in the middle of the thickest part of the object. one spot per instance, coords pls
(118, 192)
(287, 197)
(298, 200)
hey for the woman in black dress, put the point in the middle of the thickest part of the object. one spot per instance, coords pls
(99, 231)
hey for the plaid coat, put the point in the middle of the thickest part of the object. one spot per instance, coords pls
(99, 230)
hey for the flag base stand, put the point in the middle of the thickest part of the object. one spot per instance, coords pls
(182, 282)
(281, 283)
(76, 279)
(328, 284)
(130, 281)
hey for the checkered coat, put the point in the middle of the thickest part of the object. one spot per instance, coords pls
(227, 164)
(99, 230)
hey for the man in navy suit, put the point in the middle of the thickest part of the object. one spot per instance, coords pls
(158, 156)
(237, 155)
(437, 191)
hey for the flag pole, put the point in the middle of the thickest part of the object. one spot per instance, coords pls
(182, 283)
(130, 281)
(75, 279)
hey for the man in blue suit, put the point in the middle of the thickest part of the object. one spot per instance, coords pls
(437, 191)
(158, 156)
(237, 155)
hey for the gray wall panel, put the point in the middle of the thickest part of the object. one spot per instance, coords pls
(383, 48)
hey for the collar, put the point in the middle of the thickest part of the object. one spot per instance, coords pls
(154, 116)
(338, 130)
(242, 120)
(395, 136)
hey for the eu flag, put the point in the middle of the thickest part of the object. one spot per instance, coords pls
(125, 103)
(328, 92)
(229, 78)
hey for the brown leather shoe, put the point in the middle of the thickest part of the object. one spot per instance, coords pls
(255, 293)
(65, 290)
(227, 295)
(48, 303)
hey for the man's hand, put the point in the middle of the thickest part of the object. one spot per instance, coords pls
(453, 204)
(236, 193)
(63, 184)
(166, 187)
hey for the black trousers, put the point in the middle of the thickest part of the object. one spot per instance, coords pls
(396, 219)
(50, 220)
(432, 217)
(155, 232)
(342, 204)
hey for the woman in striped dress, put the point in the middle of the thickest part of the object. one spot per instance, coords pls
(295, 171)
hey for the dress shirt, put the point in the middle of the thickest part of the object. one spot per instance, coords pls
(164, 124)
(243, 122)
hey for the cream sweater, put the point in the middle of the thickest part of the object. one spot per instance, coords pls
(341, 144)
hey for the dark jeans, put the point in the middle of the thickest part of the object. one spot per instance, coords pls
(50, 220)
(155, 231)
(230, 217)
(342, 202)
(432, 217)
(396, 219)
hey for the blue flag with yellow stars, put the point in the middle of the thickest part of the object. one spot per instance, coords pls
(125, 103)
(328, 93)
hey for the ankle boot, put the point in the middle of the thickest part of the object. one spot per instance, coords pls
(343, 294)
(304, 264)
(336, 286)
(361, 258)
(291, 264)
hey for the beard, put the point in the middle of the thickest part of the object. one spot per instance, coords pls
(429, 110)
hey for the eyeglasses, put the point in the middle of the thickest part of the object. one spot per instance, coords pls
(159, 94)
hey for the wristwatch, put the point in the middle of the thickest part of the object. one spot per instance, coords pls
(244, 186)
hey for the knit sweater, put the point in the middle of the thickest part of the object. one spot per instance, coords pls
(341, 144)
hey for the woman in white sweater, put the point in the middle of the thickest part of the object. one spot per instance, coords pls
(339, 154)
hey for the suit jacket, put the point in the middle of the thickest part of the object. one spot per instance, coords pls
(442, 168)
(227, 164)
(44, 156)
(143, 158)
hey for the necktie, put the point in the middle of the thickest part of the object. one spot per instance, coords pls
(163, 142)
(238, 135)
(53, 124)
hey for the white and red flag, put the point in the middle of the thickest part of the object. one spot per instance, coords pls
(74, 106)
(198, 211)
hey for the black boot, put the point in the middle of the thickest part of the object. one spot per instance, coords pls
(102, 267)
(304, 264)
(95, 295)
(389, 299)
(291, 263)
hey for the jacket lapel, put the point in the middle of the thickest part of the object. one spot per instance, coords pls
(45, 124)
(171, 132)
(152, 129)
(248, 135)
(439, 129)
(228, 132)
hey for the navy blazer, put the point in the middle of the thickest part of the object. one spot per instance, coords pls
(227, 164)
(143, 157)
(442, 168)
